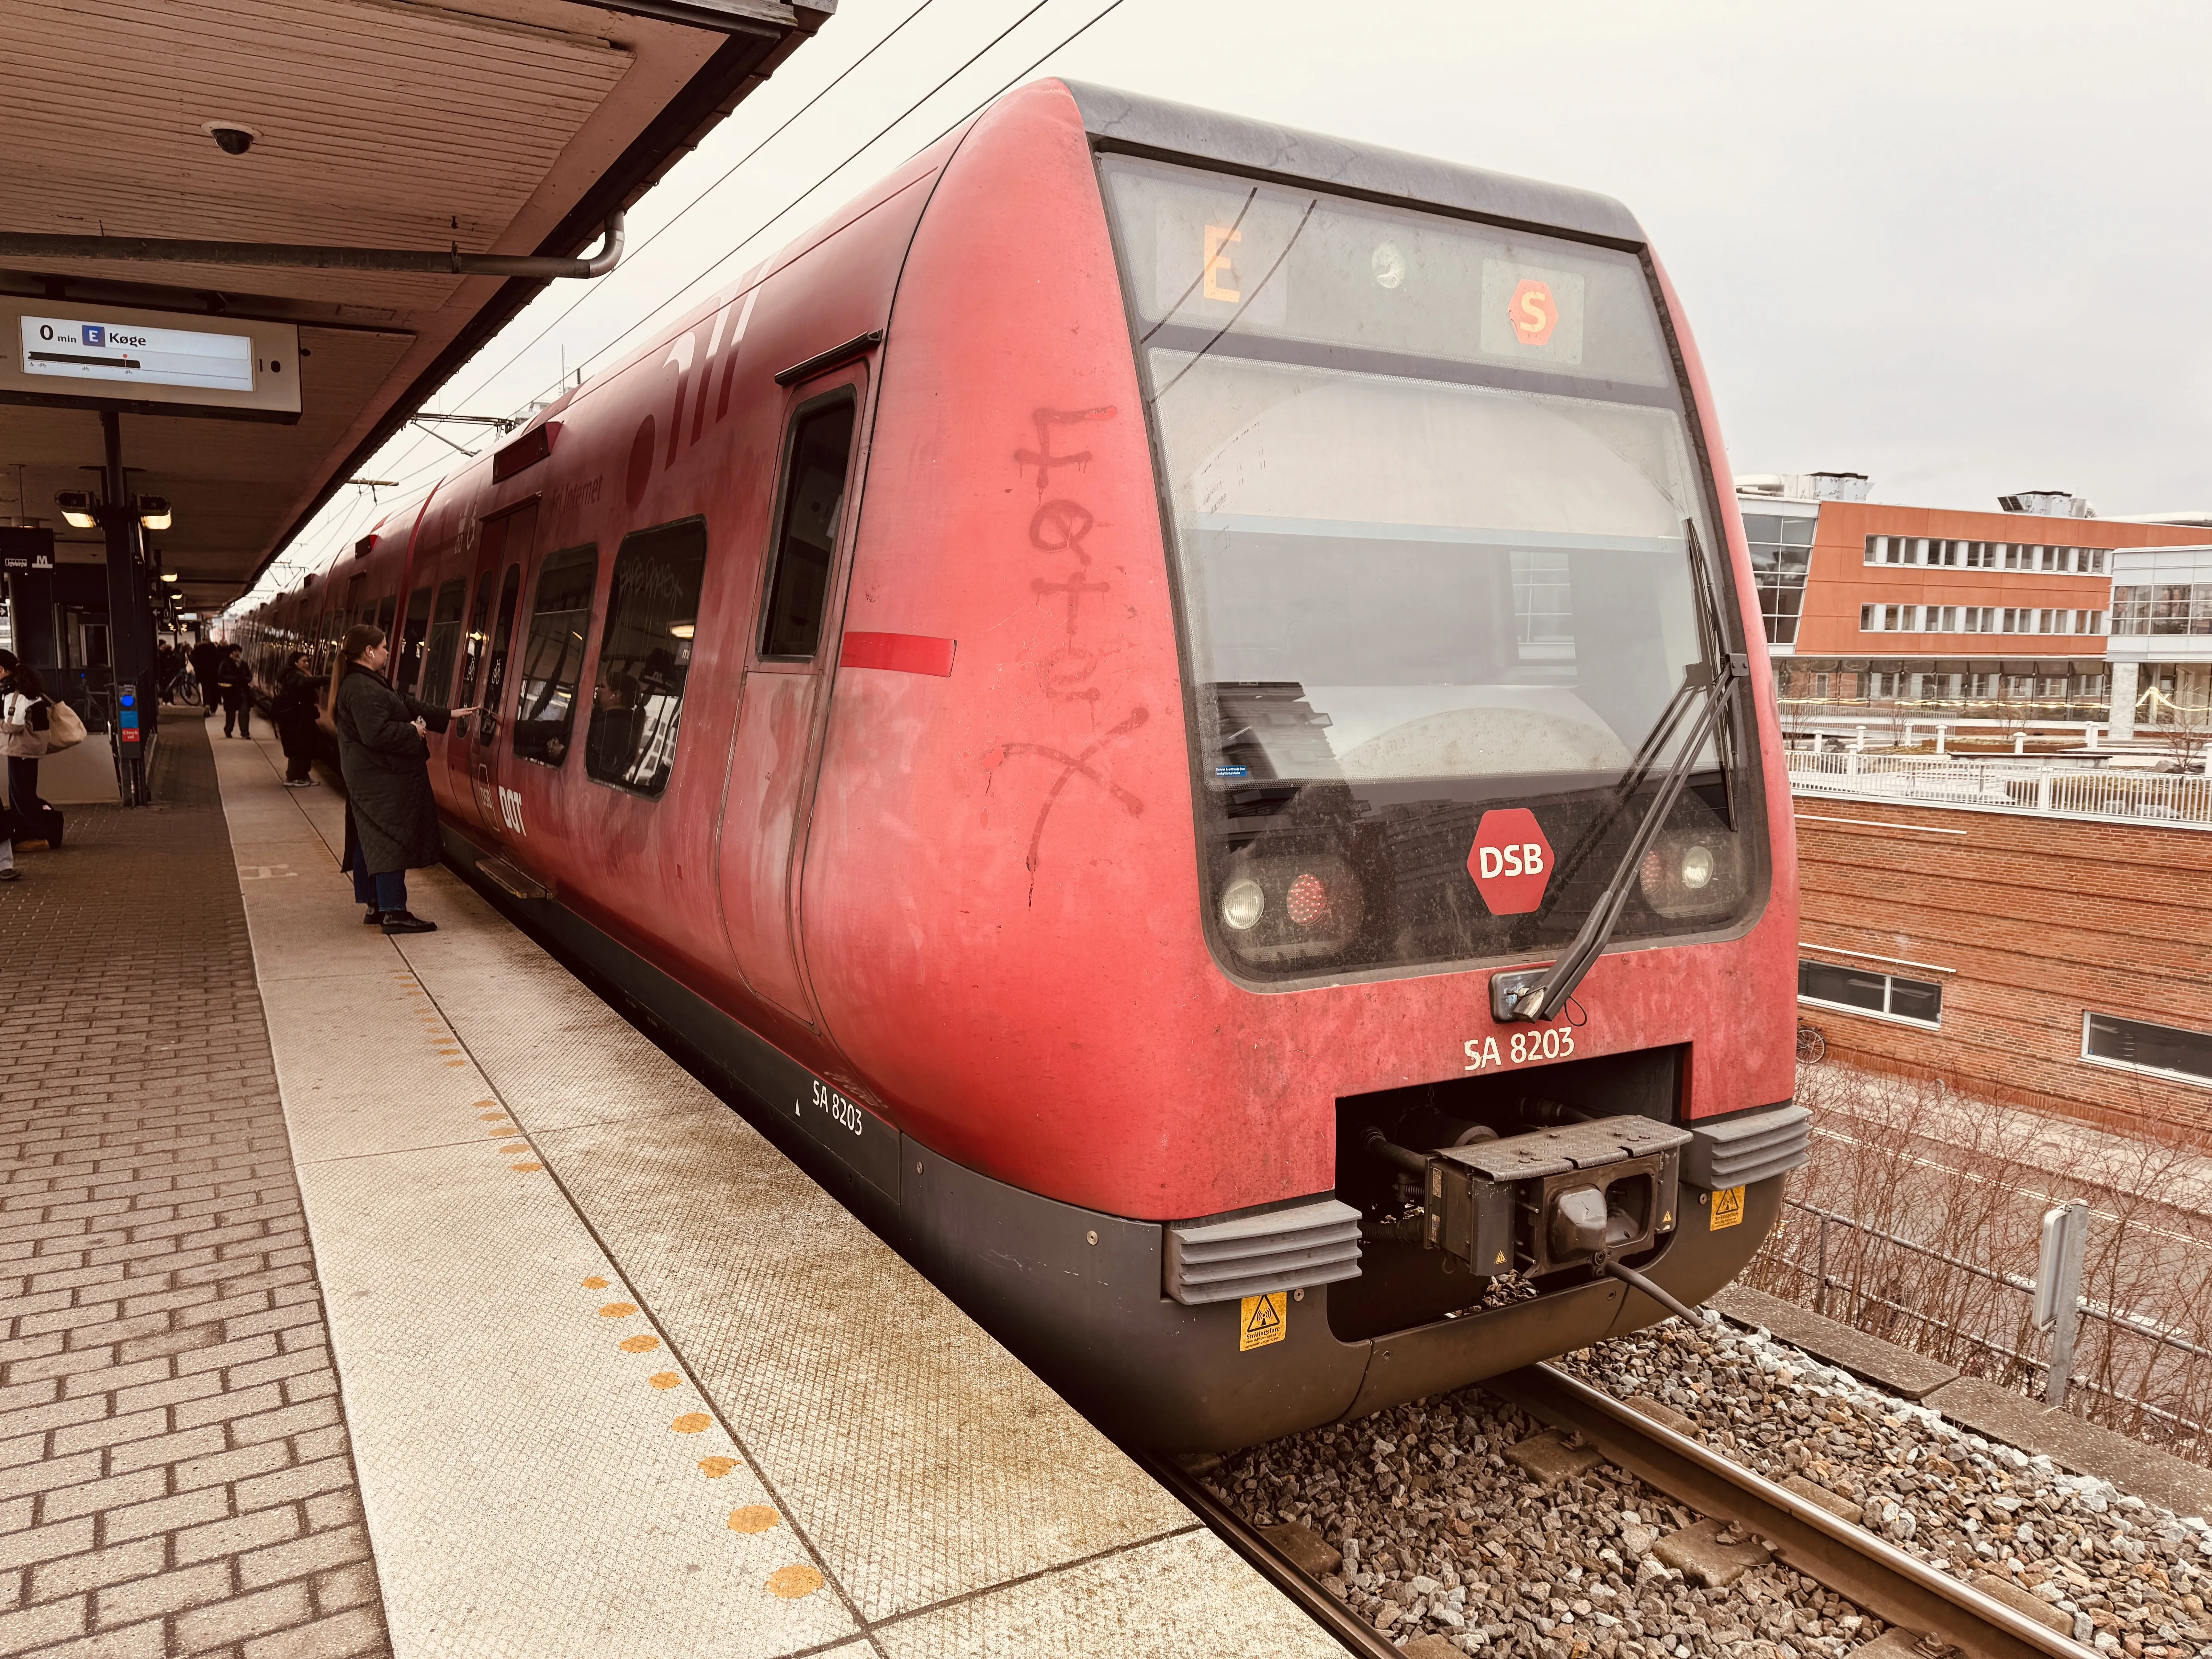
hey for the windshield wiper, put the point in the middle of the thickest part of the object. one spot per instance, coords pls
(1529, 995)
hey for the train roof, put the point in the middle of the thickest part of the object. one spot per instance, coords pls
(1128, 120)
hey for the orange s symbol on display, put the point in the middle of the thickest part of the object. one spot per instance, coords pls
(1533, 312)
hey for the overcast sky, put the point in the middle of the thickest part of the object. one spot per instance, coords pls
(1963, 248)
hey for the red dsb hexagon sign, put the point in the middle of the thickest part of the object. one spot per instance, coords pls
(1511, 862)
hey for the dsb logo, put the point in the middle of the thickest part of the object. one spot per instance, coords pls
(1511, 862)
(1525, 859)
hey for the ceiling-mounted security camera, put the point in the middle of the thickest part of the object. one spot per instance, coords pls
(231, 137)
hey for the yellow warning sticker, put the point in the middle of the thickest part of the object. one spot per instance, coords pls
(1727, 1208)
(1264, 1319)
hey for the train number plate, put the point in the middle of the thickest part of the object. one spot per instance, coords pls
(854, 1134)
(1524, 1048)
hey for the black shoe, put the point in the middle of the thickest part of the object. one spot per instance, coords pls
(406, 921)
(373, 918)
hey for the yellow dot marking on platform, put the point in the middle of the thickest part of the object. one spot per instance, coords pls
(618, 1311)
(503, 1132)
(514, 1147)
(526, 1169)
(715, 1468)
(484, 1103)
(490, 1117)
(754, 1517)
(792, 1582)
(457, 1063)
(643, 1342)
(666, 1379)
(692, 1423)
(595, 1283)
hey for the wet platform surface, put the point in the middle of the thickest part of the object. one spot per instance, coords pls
(619, 1378)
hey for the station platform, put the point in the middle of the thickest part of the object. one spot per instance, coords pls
(370, 1294)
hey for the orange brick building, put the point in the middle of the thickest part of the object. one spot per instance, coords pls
(2063, 964)
(1932, 610)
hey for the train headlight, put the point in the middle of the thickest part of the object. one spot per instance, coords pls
(1285, 908)
(1243, 903)
(1689, 876)
(1696, 867)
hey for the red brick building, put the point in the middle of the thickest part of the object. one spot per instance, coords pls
(2063, 964)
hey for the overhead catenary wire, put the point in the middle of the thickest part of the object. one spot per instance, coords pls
(437, 461)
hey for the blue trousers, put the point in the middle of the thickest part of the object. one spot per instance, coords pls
(386, 890)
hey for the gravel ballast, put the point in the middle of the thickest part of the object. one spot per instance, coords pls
(1448, 1542)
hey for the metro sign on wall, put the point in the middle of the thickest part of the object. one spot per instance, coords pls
(1511, 862)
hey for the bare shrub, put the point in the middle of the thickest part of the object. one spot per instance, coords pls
(1933, 1202)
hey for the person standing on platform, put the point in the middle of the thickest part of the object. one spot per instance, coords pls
(299, 701)
(392, 817)
(204, 658)
(235, 681)
(25, 721)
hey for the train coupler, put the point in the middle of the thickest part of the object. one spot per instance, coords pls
(1579, 1194)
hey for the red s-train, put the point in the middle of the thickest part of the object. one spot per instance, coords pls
(1108, 694)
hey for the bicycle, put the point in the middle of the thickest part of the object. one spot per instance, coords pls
(185, 690)
(1811, 1046)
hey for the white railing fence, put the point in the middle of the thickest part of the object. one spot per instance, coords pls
(2006, 785)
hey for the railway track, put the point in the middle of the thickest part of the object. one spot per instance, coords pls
(1883, 1580)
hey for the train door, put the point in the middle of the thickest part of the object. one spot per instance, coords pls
(501, 548)
(787, 662)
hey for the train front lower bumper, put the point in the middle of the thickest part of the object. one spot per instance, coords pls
(1092, 1320)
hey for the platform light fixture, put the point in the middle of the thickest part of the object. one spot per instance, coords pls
(78, 508)
(169, 575)
(683, 630)
(154, 511)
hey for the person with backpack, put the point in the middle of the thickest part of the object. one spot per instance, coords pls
(234, 680)
(25, 718)
(392, 817)
(299, 701)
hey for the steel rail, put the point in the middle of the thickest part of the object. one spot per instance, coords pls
(1854, 1563)
(1355, 1633)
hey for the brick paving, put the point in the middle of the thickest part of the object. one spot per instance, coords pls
(174, 1472)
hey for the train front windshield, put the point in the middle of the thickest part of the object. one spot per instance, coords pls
(1435, 512)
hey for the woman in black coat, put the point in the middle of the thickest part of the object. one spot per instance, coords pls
(392, 817)
(299, 701)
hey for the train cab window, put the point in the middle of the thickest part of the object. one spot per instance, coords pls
(813, 506)
(553, 655)
(408, 656)
(445, 640)
(645, 654)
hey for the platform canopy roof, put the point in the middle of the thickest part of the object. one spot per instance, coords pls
(491, 126)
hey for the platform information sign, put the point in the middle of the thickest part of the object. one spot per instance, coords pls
(75, 350)
(159, 362)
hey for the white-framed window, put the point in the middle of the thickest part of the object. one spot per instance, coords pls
(2135, 1045)
(1870, 992)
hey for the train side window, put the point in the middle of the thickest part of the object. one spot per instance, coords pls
(502, 630)
(479, 618)
(445, 640)
(412, 627)
(653, 607)
(813, 504)
(553, 655)
(384, 607)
